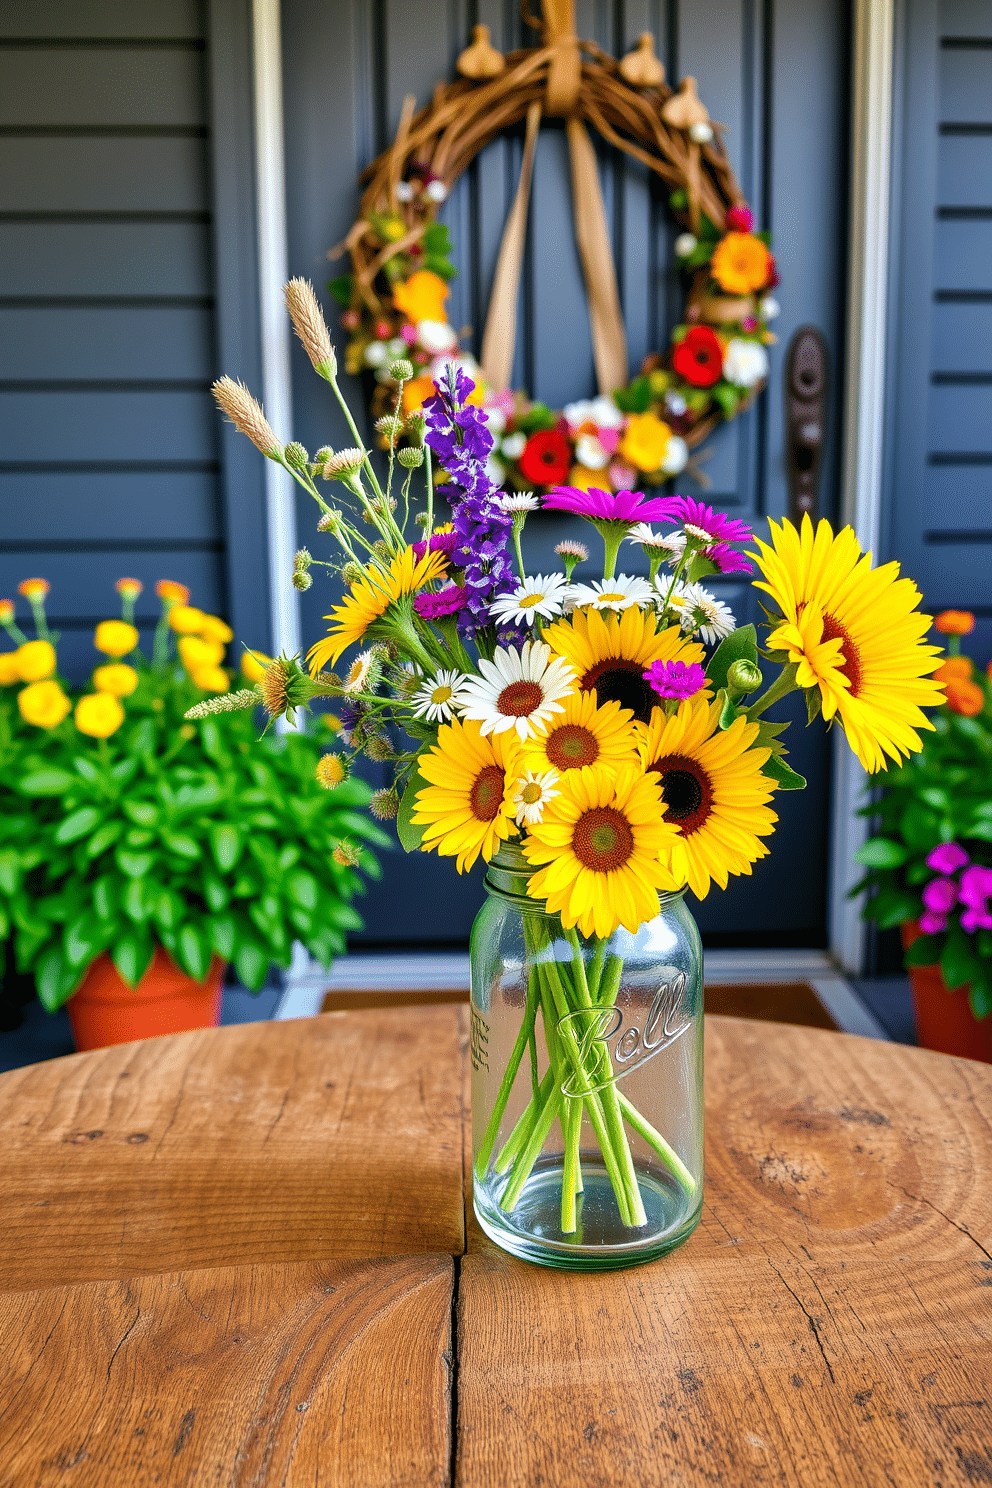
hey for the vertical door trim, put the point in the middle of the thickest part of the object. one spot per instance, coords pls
(864, 405)
(273, 259)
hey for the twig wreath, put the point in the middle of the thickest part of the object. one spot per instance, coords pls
(634, 432)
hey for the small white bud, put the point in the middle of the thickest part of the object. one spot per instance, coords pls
(701, 133)
(685, 244)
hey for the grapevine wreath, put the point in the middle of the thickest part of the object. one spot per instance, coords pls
(634, 432)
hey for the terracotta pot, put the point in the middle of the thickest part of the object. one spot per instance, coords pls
(944, 1020)
(105, 1010)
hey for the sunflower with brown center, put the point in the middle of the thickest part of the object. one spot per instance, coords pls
(582, 735)
(467, 809)
(855, 633)
(713, 790)
(611, 653)
(602, 840)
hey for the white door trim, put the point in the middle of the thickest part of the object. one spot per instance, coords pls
(273, 260)
(864, 407)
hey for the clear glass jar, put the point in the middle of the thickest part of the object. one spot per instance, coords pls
(587, 1069)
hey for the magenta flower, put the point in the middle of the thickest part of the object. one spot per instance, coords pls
(727, 560)
(975, 890)
(948, 858)
(447, 601)
(932, 924)
(628, 507)
(441, 542)
(705, 524)
(940, 895)
(674, 679)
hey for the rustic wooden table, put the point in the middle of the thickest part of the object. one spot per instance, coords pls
(241, 1257)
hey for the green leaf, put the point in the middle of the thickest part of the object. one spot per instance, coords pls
(729, 711)
(143, 813)
(51, 782)
(303, 889)
(924, 951)
(133, 865)
(881, 852)
(139, 837)
(409, 833)
(726, 398)
(919, 826)
(167, 909)
(980, 994)
(83, 940)
(137, 901)
(957, 964)
(132, 955)
(104, 897)
(814, 704)
(103, 838)
(344, 917)
(340, 288)
(223, 935)
(181, 844)
(892, 907)
(252, 966)
(226, 843)
(54, 979)
(214, 892)
(194, 951)
(739, 645)
(10, 870)
(786, 779)
(77, 824)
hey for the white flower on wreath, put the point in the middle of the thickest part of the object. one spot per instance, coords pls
(590, 453)
(437, 699)
(513, 445)
(496, 471)
(532, 793)
(519, 690)
(436, 336)
(676, 456)
(745, 363)
(543, 595)
(601, 412)
(611, 594)
(376, 354)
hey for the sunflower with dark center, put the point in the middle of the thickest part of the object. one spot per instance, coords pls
(612, 652)
(855, 634)
(467, 807)
(603, 841)
(582, 735)
(713, 791)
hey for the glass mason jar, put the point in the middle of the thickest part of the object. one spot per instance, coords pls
(587, 1065)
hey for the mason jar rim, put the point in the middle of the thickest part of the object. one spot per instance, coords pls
(509, 871)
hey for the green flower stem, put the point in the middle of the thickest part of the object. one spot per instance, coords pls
(40, 622)
(429, 473)
(509, 1075)
(571, 1178)
(784, 683)
(654, 1139)
(518, 527)
(611, 547)
(532, 1151)
(517, 1138)
(596, 968)
(448, 626)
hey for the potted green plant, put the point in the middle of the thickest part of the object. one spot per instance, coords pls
(140, 853)
(930, 866)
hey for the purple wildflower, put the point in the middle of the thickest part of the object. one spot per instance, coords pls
(940, 895)
(674, 679)
(716, 526)
(447, 601)
(948, 858)
(629, 507)
(441, 542)
(975, 890)
(727, 560)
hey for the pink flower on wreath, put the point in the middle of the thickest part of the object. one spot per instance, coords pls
(628, 507)
(675, 679)
(948, 858)
(703, 523)
(447, 601)
(975, 891)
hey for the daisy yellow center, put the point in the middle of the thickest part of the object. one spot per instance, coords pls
(486, 795)
(687, 790)
(440, 694)
(832, 631)
(529, 600)
(602, 839)
(572, 746)
(617, 680)
(519, 699)
(531, 793)
(608, 596)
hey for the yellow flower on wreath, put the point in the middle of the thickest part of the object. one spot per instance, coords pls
(422, 296)
(611, 652)
(8, 668)
(714, 792)
(115, 637)
(186, 619)
(855, 634)
(117, 678)
(210, 678)
(467, 807)
(44, 704)
(35, 660)
(603, 840)
(195, 652)
(368, 600)
(99, 714)
(741, 263)
(583, 735)
(213, 628)
(645, 441)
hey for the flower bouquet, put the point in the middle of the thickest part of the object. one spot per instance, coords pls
(930, 864)
(596, 745)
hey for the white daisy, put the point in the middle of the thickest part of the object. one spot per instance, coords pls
(437, 699)
(516, 502)
(611, 594)
(672, 544)
(531, 794)
(513, 445)
(717, 619)
(542, 595)
(358, 674)
(676, 601)
(518, 690)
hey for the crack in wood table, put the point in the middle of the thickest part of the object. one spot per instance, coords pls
(246, 1257)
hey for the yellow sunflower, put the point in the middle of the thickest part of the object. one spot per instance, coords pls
(602, 838)
(369, 599)
(583, 735)
(856, 634)
(611, 652)
(468, 807)
(714, 792)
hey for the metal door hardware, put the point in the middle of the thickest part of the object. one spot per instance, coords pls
(807, 369)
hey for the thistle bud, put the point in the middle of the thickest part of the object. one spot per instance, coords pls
(383, 550)
(743, 676)
(401, 370)
(411, 458)
(332, 770)
(389, 425)
(345, 463)
(330, 521)
(302, 581)
(421, 520)
(416, 426)
(296, 456)
(346, 854)
(323, 455)
(302, 559)
(385, 804)
(380, 748)
(352, 573)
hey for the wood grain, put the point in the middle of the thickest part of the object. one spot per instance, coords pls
(830, 1322)
(333, 1373)
(329, 1137)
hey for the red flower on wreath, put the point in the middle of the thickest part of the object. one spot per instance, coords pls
(698, 357)
(547, 458)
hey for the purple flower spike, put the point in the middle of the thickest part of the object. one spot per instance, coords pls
(441, 542)
(447, 601)
(716, 526)
(606, 506)
(948, 858)
(940, 895)
(932, 924)
(674, 679)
